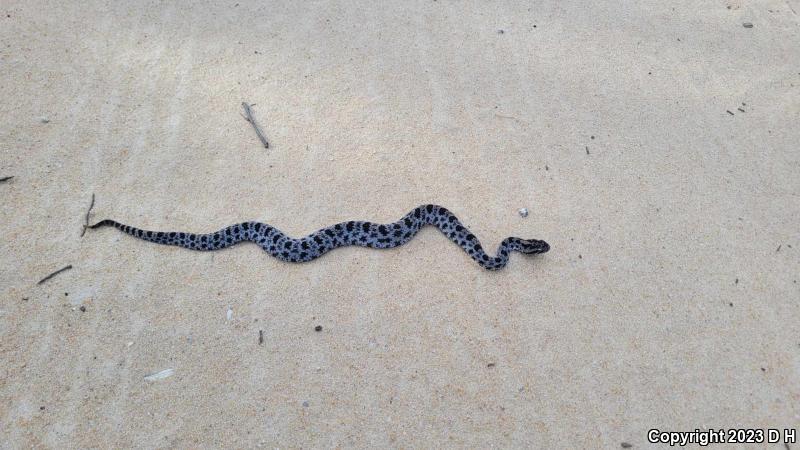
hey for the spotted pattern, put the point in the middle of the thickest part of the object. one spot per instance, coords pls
(364, 234)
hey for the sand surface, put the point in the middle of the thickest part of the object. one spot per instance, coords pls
(670, 298)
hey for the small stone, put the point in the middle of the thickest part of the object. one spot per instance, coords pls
(166, 373)
(44, 120)
(318, 328)
(625, 445)
(305, 404)
(523, 212)
(747, 25)
(500, 31)
(83, 308)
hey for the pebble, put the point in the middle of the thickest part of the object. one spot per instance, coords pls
(166, 373)
(747, 25)
(523, 212)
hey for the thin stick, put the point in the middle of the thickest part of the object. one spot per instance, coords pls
(54, 273)
(5, 179)
(249, 118)
(86, 223)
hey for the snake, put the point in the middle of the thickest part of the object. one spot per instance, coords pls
(358, 233)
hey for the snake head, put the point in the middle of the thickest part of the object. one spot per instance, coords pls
(532, 246)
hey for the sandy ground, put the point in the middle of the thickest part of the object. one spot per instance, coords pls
(669, 299)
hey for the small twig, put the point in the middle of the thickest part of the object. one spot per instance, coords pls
(86, 223)
(54, 273)
(249, 118)
(4, 179)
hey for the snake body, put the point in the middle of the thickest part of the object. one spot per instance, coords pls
(364, 234)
